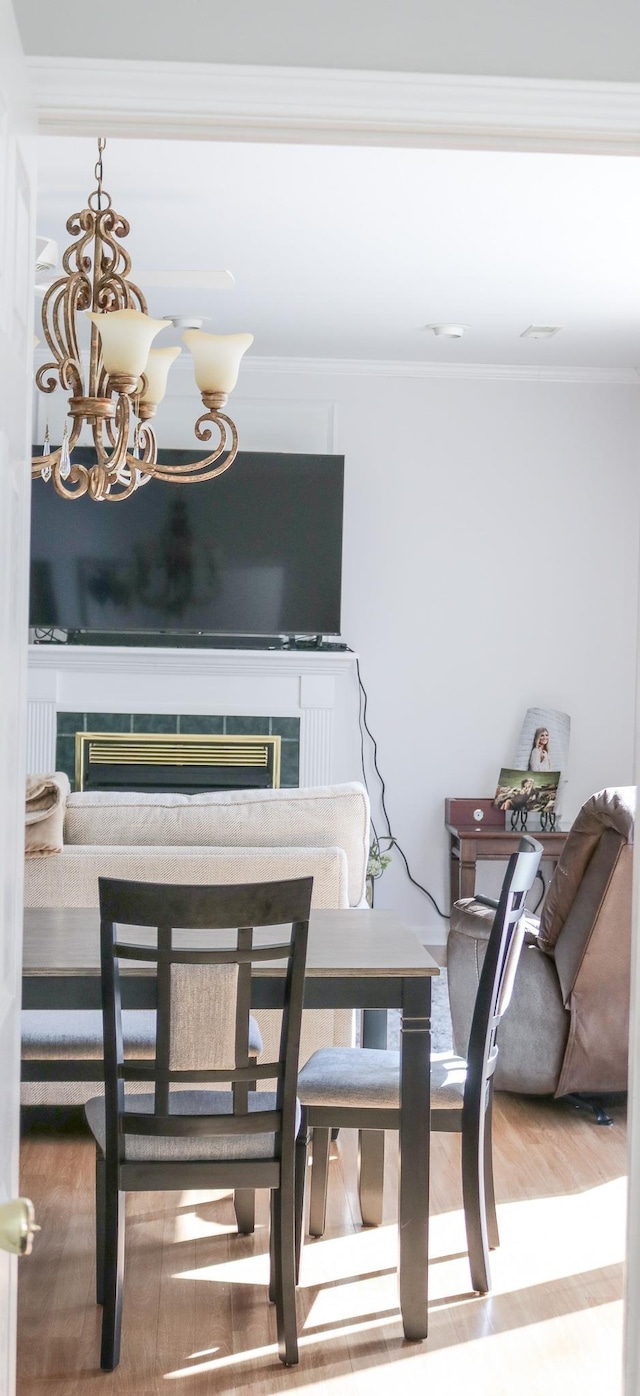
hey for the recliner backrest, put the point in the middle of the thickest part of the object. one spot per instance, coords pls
(584, 916)
(586, 927)
(612, 810)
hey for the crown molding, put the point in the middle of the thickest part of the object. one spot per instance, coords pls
(182, 371)
(409, 368)
(123, 97)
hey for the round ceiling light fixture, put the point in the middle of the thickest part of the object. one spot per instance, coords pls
(450, 331)
(187, 322)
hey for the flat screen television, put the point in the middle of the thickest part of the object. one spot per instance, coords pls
(256, 551)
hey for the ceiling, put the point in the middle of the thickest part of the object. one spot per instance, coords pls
(348, 252)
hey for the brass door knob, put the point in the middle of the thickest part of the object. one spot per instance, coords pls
(17, 1226)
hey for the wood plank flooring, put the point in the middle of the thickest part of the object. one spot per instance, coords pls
(196, 1316)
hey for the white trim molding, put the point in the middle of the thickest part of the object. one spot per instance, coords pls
(244, 683)
(416, 368)
(211, 101)
(182, 381)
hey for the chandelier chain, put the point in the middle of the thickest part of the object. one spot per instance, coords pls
(99, 175)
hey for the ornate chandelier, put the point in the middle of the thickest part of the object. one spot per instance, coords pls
(126, 377)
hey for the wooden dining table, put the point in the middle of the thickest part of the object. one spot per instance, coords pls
(357, 959)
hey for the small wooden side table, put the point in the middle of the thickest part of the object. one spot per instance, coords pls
(473, 840)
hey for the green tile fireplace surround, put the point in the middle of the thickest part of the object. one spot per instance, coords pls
(287, 728)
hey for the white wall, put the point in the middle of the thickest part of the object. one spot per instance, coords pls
(580, 39)
(490, 564)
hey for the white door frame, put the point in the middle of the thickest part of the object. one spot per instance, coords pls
(17, 220)
(329, 106)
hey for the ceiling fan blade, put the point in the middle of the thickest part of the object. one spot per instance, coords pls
(185, 280)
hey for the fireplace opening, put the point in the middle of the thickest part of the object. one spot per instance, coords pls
(180, 763)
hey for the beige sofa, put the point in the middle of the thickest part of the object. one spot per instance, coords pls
(230, 837)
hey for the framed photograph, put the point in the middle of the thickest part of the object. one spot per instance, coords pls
(544, 742)
(521, 793)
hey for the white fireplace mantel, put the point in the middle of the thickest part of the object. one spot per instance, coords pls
(307, 684)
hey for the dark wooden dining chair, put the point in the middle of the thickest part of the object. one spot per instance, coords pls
(359, 1088)
(185, 1131)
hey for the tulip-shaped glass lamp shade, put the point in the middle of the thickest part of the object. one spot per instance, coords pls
(156, 373)
(126, 337)
(216, 358)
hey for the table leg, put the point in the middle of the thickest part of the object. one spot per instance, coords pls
(415, 1076)
(454, 876)
(467, 874)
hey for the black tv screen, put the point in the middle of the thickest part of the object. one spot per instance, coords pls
(255, 551)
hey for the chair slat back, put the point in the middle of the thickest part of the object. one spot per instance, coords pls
(500, 964)
(203, 999)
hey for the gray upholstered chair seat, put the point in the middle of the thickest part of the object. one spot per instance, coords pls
(55, 1035)
(369, 1078)
(213, 1147)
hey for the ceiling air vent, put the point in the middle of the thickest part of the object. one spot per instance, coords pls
(540, 331)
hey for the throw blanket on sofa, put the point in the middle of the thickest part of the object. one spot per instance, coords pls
(44, 814)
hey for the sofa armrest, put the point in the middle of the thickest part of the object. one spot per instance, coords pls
(473, 917)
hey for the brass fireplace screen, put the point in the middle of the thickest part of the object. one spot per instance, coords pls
(181, 763)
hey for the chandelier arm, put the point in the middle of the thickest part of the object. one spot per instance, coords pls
(99, 483)
(109, 428)
(80, 225)
(146, 438)
(75, 436)
(38, 463)
(95, 352)
(50, 385)
(116, 289)
(112, 263)
(171, 479)
(76, 295)
(60, 302)
(110, 226)
(113, 461)
(197, 471)
(96, 431)
(53, 335)
(53, 458)
(191, 470)
(118, 489)
(51, 328)
(79, 477)
(102, 385)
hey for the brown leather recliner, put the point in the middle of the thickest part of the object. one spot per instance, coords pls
(567, 1027)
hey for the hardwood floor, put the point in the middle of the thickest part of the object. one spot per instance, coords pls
(196, 1316)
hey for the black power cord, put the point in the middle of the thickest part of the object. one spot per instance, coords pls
(389, 838)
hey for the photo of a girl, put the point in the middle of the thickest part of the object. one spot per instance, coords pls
(540, 758)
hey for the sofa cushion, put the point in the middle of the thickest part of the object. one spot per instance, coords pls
(50, 1034)
(335, 816)
(70, 878)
